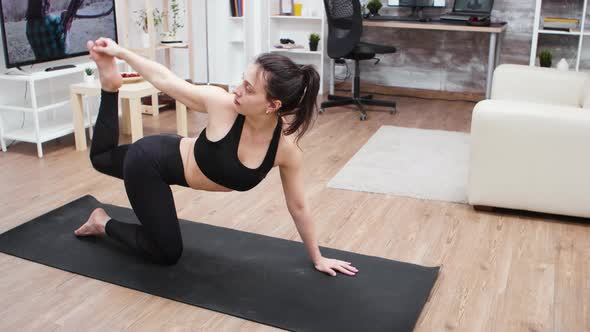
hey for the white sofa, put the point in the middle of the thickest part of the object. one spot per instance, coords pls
(530, 143)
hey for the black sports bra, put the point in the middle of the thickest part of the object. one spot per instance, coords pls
(219, 160)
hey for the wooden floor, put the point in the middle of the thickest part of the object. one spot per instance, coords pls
(505, 271)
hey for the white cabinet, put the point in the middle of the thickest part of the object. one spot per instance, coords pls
(579, 39)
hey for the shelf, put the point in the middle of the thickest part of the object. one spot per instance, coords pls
(236, 18)
(558, 32)
(286, 17)
(296, 50)
(236, 41)
(22, 106)
(48, 130)
(42, 74)
(160, 47)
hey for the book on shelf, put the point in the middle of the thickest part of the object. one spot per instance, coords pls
(560, 23)
(237, 8)
(561, 19)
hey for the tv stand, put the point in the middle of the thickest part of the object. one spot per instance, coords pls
(60, 67)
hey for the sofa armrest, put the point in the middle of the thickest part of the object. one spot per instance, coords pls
(531, 157)
(538, 85)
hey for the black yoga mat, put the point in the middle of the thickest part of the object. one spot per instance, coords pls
(255, 277)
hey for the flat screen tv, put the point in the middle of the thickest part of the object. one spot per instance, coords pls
(35, 31)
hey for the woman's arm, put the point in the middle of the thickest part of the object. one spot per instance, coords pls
(193, 96)
(293, 187)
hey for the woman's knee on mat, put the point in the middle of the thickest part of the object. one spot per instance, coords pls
(171, 255)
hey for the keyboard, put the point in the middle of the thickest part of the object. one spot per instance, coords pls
(451, 17)
(392, 18)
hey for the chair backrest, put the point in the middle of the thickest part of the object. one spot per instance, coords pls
(345, 26)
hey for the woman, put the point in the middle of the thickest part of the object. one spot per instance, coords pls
(245, 137)
(48, 34)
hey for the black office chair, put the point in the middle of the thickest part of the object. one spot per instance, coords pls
(345, 26)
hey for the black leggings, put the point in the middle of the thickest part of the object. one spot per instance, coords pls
(148, 167)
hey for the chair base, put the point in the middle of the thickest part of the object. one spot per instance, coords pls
(334, 101)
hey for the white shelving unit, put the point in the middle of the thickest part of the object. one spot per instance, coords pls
(538, 31)
(54, 126)
(298, 29)
(150, 51)
(230, 40)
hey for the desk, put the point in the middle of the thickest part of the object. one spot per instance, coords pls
(495, 29)
(130, 95)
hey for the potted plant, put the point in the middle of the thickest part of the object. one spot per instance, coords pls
(142, 23)
(170, 36)
(545, 58)
(314, 39)
(373, 6)
(88, 75)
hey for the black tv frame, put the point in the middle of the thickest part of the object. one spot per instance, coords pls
(33, 62)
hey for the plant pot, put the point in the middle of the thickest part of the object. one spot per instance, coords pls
(546, 64)
(374, 12)
(88, 78)
(168, 37)
(313, 46)
(145, 40)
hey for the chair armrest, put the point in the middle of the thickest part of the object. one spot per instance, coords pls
(538, 85)
(530, 156)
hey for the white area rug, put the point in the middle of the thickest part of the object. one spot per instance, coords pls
(426, 164)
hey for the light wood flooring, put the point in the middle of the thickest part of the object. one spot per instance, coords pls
(501, 271)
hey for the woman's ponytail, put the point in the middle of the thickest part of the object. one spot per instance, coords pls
(296, 86)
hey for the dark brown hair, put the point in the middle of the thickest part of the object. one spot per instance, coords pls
(37, 9)
(296, 86)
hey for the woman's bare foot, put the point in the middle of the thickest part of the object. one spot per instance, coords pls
(95, 224)
(110, 78)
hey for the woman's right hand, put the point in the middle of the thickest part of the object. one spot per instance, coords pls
(107, 46)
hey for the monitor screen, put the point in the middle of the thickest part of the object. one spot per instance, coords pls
(35, 31)
(416, 3)
(473, 6)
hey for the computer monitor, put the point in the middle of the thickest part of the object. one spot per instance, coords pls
(35, 31)
(475, 7)
(417, 6)
(416, 3)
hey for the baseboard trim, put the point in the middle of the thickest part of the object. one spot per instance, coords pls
(366, 87)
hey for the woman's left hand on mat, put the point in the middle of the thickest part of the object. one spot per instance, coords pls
(330, 266)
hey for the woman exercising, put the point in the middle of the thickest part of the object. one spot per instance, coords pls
(246, 136)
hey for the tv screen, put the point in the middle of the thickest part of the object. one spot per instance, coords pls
(35, 31)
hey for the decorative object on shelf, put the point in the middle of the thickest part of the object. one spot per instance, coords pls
(297, 9)
(373, 6)
(88, 75)
(545, 58)
(131, 77)
(170, 36)
(563, 65)
(286, 7)
(288, 46)
(142, 23)
(314, 39)
(286, 43)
